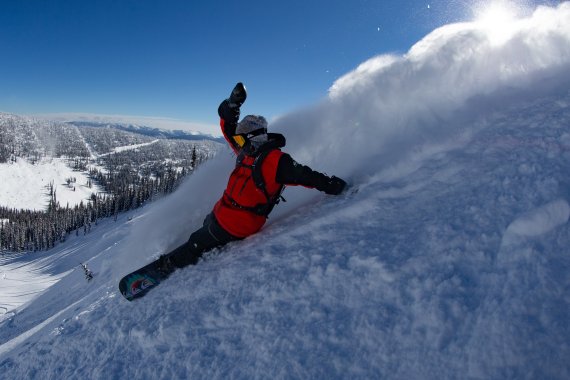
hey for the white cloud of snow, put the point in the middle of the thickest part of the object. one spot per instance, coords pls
(389, 105)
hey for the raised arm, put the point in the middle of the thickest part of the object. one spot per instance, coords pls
(229, 111)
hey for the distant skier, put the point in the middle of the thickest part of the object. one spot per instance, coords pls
(262, 171)
(87, 272)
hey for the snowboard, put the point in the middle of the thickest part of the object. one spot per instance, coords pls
(140, 282)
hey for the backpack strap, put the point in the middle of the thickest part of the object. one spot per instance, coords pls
(257, 175)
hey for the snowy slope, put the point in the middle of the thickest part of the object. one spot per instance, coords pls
(24, 185)
(447, 259)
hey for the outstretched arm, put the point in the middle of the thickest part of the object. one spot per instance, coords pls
(229, 111)
(290, 172)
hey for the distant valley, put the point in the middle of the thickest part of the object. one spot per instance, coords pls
(56, 177)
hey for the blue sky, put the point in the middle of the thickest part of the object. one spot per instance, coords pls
(178, 59)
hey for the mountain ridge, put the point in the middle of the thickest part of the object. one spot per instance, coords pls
(148, 131)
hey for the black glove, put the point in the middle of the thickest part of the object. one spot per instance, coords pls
(228, 113)
(334, 186)
(238, 96)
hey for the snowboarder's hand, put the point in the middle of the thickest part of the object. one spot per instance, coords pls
(334, 186)
(229, 108)
(238, 96)
(228, 113)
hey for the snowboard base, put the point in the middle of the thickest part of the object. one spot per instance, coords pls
(140, 282)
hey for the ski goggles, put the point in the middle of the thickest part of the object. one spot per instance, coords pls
(241, 139)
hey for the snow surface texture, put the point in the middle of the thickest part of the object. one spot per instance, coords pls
(450, 260)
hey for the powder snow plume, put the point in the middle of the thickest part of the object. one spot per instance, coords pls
(391, 105)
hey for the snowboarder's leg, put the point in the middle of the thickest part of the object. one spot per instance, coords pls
(209, 236)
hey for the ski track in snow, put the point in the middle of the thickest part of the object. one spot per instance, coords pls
(448, 257)
(128, 147)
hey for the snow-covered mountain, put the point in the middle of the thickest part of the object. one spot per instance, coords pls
(35, 154)
(448, 257)
(149, 131)
(153, 125)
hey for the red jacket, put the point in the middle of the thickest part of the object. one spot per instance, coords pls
(234, 211)
(243, 208)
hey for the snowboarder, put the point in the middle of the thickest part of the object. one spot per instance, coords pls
(262, 171)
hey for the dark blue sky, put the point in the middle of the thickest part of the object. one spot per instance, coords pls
(180, 58)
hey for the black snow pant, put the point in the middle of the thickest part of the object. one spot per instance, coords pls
(211, 235)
